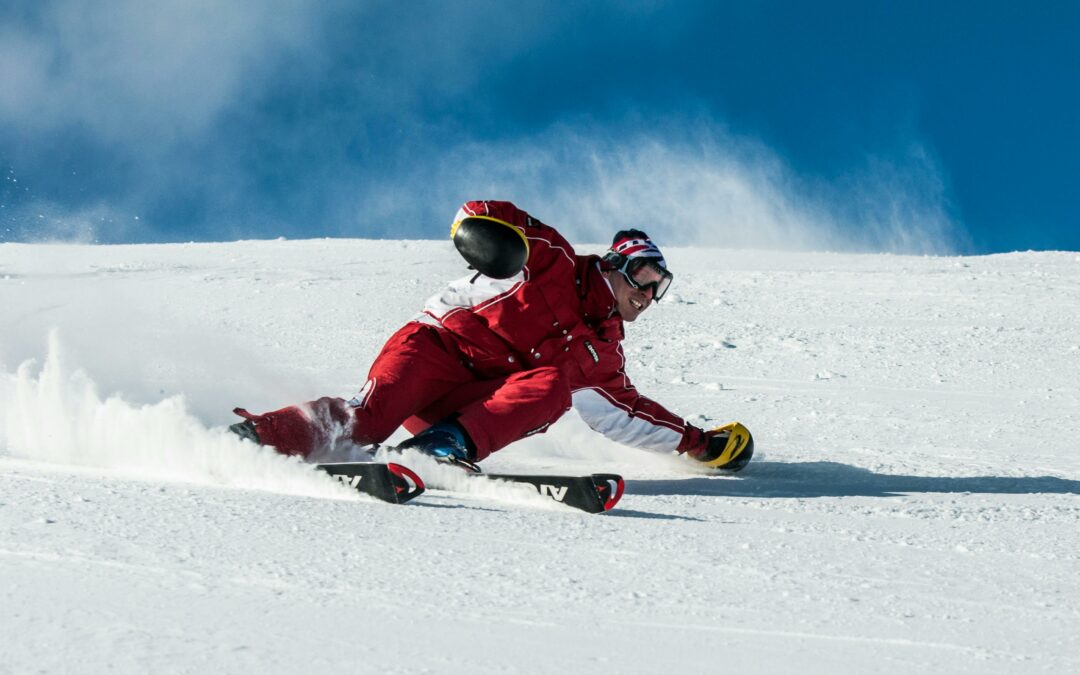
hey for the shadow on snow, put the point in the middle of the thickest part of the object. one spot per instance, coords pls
(832, 479)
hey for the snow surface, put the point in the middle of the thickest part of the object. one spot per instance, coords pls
(913, 506)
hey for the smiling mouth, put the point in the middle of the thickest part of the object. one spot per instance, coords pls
(636, 305)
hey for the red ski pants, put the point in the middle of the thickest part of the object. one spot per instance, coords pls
(418, 379)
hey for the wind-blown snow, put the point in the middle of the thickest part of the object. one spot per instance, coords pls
(914, 505)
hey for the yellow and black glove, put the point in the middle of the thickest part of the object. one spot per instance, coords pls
(729, 447)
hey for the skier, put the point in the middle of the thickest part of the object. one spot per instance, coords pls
(501, 354)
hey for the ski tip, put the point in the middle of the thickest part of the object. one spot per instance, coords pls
(406, 483)
(610, 487)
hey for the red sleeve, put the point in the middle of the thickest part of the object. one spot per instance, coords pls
(504, 211)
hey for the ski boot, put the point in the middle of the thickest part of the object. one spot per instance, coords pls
(245, 430)
(447, 442)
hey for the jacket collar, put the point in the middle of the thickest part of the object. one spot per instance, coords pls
(598, 300)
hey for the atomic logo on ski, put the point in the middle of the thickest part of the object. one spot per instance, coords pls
(544, 490)
(351, 481)
(556, 493)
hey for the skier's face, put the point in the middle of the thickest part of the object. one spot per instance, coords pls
(630, 302)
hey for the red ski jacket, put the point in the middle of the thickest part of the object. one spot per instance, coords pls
(558, 311)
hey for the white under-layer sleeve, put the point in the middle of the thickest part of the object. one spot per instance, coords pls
(623, 424)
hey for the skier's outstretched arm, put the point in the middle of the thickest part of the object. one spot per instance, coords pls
(613, 407)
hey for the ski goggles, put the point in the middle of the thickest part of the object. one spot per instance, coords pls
(644, 273)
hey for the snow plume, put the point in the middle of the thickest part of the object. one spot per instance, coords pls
(178, 120)
(56, 415)
(43, 222)
(695, 183)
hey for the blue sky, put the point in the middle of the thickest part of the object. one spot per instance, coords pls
(894, 126)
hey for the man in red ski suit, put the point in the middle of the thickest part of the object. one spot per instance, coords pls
(492, 360)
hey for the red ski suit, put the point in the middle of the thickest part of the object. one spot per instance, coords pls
(508, 357)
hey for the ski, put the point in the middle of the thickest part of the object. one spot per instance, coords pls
(594, 493)
(398, 484)
(387, 481)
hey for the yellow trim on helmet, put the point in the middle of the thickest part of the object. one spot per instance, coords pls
(524, 239)
(737, 442)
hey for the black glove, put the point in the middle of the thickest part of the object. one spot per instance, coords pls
(492, 247)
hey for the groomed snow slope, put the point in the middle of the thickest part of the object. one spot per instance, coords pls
(914, 506)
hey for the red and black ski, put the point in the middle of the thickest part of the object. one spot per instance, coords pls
(387, 481)
(594, 493)
(398, 484)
